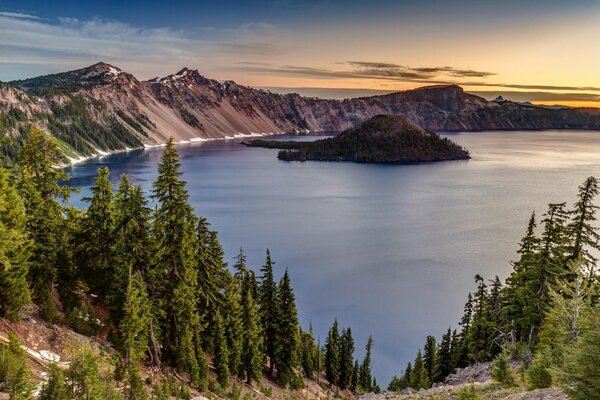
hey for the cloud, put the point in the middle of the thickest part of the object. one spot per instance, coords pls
(415, 72)
(71, 42)
(18, 15)
(386, 72)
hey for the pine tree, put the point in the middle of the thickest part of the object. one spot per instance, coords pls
(134, 329)
(221, 356)
(462, 351)
(174, 232)
(55, 387)
(479, 331)
(287, 340)
(15, 376)
(85, 382)
(429, 357)
(346, 358)
(355, 375)
(332, 354)
(38, 183)
(580, 230)
(14, 251)
(268, 305)
(520, 311)
(443, 360)
(233, 324)
(496, 321)
(251, 367)
(95, 248)
(308, 353)
(418, 375)
(365, 378)
(210, 264)
(133, 247)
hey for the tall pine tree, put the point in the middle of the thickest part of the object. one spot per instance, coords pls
(14, 250)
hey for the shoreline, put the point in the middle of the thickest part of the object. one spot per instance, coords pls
(239, 135)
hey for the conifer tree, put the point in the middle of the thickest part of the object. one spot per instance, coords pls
(521, 309)
(210, 266)
(443, 360)
(365, 378)
(268, 305)
(85, 382)
(287, 340)
(133, 247)
(251, 368)
(134, 329)
(55, 387)
(346, 358)
(418, 375)
(42, 195)
(581, 231)
(496, 321)
(15, 250)
(95, 249)
(174, 232)
(462, 351)
(332, 354)
(308, 353)
(232, 310)
(221, 356)
(429, 357)
(355, 375)
(479, 331)
(15, 376)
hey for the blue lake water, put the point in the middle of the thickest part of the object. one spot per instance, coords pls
(390, 250)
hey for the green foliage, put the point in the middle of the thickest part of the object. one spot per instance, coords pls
(55, 387)
(468, 393)
(14, 250)
(85, 382)
(251, 367)
(580, 373)
(332, 354)
(14, 371)
(174, 232)
(365, 377)
(268, 305)
(346, 359)
(287, 338)
(96, 239)
(221, 357)
(42, 194)
(539, 372)
(382, 139)
(502, 371)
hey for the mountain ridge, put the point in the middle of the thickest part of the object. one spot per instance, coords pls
(102, 108)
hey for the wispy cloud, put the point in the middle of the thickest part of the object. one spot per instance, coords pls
(18, 15)
(386, 72)
(388, 69)
(28, 40)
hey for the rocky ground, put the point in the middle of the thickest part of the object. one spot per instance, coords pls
(47, 343)
(472, 383)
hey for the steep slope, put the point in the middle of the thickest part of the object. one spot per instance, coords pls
(102, 108)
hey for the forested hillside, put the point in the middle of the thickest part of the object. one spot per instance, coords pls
(545, 317)
(154, 285)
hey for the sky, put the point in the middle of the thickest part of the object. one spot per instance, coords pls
(545, 51)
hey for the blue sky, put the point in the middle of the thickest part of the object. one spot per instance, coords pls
(527, 45)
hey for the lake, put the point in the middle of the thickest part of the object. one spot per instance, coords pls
(390, 250)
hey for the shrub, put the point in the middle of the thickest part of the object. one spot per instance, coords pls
(14, 370)
(501, 370)
(538, 374)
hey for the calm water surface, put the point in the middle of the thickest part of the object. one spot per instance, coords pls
(389, 250)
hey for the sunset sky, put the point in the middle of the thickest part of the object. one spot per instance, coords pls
(548, 49)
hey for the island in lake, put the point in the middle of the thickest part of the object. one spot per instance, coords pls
(381, 139)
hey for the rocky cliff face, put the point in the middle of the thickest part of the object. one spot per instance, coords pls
(102, 108)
